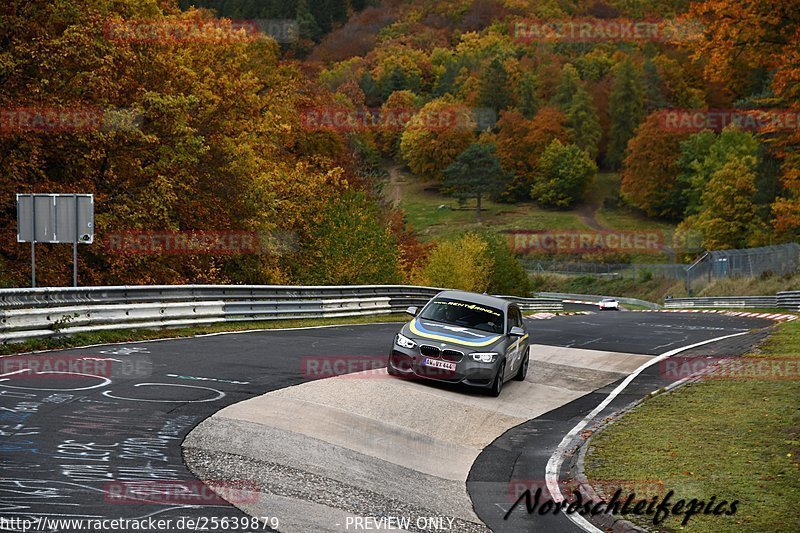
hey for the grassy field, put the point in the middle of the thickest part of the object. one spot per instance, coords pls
(433, 215)
(652, 290)
(606, 187)
(133, 335)
(733, 439)
(760, 286)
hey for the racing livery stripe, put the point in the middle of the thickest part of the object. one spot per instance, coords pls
(420, 330)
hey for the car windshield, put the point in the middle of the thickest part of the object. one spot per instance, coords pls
(464, 314)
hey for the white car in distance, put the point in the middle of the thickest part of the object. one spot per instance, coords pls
(608, 303)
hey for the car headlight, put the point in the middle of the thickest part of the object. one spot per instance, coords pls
(484, 357)
(404, 342)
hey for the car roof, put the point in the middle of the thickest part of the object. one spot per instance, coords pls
(474, 297)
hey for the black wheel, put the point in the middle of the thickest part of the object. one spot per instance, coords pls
(390, 369)
(497, 384)
(523, 370)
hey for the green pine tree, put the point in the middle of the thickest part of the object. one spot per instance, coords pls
(626, 110)
(494, 90)
(654, 87)
(567, 87)
(370, 88)
(583, 122)
(528, 94)
(475, 173)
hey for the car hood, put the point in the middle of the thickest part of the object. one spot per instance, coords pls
(422, 328)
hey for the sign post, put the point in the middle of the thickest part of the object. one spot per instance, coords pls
(55, 218)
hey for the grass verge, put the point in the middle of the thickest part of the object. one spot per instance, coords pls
(655, 289)
(652, 290)
(736, 439)
(133, 335)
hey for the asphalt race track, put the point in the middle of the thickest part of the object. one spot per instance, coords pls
(91, 443)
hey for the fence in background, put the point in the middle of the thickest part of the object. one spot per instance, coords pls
(47, 312)
(748, 262)
(781, 259)
(611, 270)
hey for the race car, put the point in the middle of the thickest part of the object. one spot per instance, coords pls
(463, 337)
(608, 303)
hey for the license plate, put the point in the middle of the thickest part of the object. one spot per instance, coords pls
(435, 363)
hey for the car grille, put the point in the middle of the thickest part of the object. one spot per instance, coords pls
(429, 351)
(452, 355)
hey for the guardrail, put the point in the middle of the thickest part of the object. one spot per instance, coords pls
(789, 300)
(48, 312)
(784, 300)
(723, 302)
(597, 298)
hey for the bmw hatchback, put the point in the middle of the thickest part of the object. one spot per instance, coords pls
(463, 337)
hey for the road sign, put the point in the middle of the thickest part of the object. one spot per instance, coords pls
(55, 218)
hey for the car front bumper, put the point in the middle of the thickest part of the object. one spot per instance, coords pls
(409, 363)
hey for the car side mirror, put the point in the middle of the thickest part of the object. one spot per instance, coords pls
(412, 311)
(516, 331)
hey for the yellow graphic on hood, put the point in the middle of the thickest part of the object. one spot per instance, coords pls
(419, 328)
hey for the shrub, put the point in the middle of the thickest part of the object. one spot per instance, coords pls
(351, 245)
(464, 263)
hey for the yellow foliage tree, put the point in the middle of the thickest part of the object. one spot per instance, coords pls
(728, 216)
(464, 263)
(435, 136)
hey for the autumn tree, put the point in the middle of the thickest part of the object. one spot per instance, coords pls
(626, 109)
(217, 143)
(728, 214)
(508, 275)
(435, 136)
(520, 142)
(351, 246)
(706, 159)
(738, 40)
(463, 263)
(395, 114)
(563, 175)
(650, 175)
(475, 173)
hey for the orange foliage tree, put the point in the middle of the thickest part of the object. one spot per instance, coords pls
(744, 37)
(650, 173)
(520, 143)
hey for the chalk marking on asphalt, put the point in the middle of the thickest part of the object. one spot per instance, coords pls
(557, 459)
(200, 378)
(219, 396)
(106, 381)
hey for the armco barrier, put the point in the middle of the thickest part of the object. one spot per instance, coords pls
(47, 312)
(723, 302)
(789, 300)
